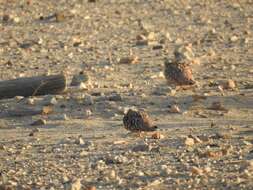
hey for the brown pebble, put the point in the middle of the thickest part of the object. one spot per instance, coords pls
(217, 106)
(189, 141)
(157, 135)
(59, 16)
(196, 171)
(47, 110)
(230, 84)
(91, 188)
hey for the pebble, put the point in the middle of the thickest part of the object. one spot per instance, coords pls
(115, 97)
(142, 148)
(74, 185)
(184, 53)
(84, 153)
(230, 84)
(216, 105)
(129, 60)
(189, 141)
(196, 171)
(88, 113)
(112, 174)
(233, 38)
(165, 170)
(78, 79)
(82, 86)
(100, 165)
(157, 135)
(80, 141)
(118, 159)
(33, 132)
(47, 110)
(30, 101)
(140, 173)
(88, 100)
(91, 188)
(49, 100)
(174, 109)
(39, 122)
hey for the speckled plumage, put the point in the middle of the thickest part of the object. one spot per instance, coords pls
(137, 121)
(178, 73)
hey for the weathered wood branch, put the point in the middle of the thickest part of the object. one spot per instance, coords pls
(33, 86)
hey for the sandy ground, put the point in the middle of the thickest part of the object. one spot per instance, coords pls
(82, 144)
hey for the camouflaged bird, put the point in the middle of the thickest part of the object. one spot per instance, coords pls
(137, 121)
(179, 74)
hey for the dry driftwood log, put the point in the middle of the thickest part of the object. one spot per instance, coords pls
(32, 86)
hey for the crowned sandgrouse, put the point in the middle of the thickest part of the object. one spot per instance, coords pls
(137, 121)
(179, 74)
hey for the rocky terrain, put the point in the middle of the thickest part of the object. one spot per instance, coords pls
(77, 141)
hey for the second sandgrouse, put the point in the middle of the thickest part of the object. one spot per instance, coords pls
(137, 121)
(178, 74)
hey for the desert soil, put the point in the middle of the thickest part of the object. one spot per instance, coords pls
(82, 144)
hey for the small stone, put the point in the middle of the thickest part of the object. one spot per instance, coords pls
(129, 60)
(63, 117)
(207, 169)
(184, 53)
(174, 109)
(247, 165)
(18, 98)
(157, 135)
(141, 42)
(221, 136)
(84, 153)
(165, 170)
(100, 165)
(230, 84)
(82, 86)
(91, 188)
(151, 36)
(88, 112)
(60, 16)
(196, 171)
(33, 132)
(112, 174)
(53, 101)
(168, 36)
(233, 38)
(6, 18)
(78, 79)
(142, 148)
(6, 187)
(74, 185)
(49, 100)
(16, 19)
(80, 141)
(156, 47)
(189, 141)
(195, 138)
(87, 144)
(47, 110)
(2, 147)
(38, 122)
(115, 97)
(88, 100)
(140, 173)
(217, 106)
(141, 37)
(30, 101)
(213, 154)
(172, 91)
